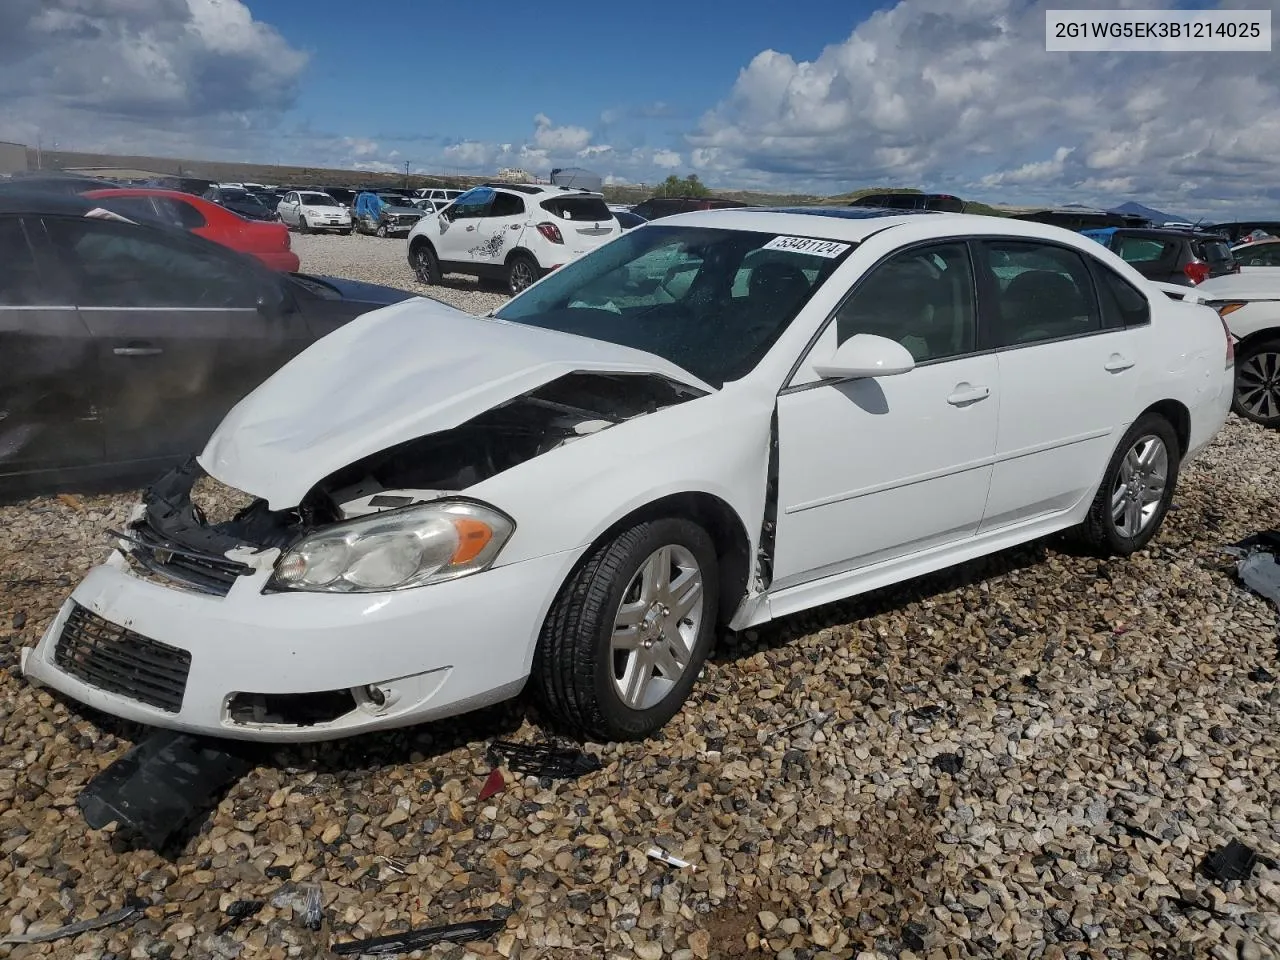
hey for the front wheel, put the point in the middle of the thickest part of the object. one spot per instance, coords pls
(624, 642)
(426, 266)
(1136, 489)
(522, 273)
(382, 230)
(1257, 386)
(303, 226)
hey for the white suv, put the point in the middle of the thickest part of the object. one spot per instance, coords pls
(439, 196)
(510, 232)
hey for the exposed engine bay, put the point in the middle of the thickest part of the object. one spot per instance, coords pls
(172, 537)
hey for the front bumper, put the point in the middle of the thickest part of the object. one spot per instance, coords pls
(427, 653)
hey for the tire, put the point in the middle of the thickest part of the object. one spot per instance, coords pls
(425, 263)
(1256, 394)
(303, 226)
(347, 232)
(576, 668)
(382, 231)
(1101, 530)
(522, 272)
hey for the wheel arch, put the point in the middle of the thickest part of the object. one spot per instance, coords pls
(1179, 418)
(519, 251)
(717, 517)
(1248, 341)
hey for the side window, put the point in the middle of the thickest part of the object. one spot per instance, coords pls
(1122, 304)
(290, 198)
(20, 283)
(472, 204)
(505, 205)
(140, 209)
(118, 265)
(1142, 249)
(178, 214)
(922, 298)
(1041, 292)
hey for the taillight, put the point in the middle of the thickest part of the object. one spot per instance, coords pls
(551, 232)
(1196, 271)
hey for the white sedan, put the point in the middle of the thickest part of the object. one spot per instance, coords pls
(312, 211)
(1250, 305)
(1258, 256)
(713, 421)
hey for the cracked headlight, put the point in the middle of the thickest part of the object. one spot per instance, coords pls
(396, 550)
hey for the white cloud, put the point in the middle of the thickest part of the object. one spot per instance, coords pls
(595, 150)
(666, 159)
(553, 139)
(960, 94)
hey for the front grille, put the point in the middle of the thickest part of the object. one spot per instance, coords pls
(206, 572)
(115, 659)
(404, 221)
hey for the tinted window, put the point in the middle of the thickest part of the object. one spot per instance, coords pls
(1213, 251)
(1142, 249)
(179, 214)
(674, 292)
(1122, 304)
(591, 209)
(317, 200)
(122, 266)
(506, 205)
(922, 298)
(1041, 292)
(135, 208)
(20, 284)
(1264, 255)
(472, 204)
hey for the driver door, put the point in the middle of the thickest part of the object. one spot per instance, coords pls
(875, 469)
(455, 236)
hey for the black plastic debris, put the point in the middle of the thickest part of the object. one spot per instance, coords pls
(951, 763)
(543, 759)
(313, 915)
(1235, 861)
(1187, 906)
(237, 912)
(1261, 675)
(163, 784)
(930, 711)
(128, 911)
(412, 940)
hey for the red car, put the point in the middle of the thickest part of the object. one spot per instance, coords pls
(269, 242)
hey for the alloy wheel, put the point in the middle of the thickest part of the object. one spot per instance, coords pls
(656, 627)
(1140, 485)
(1258, 385)
(521, 276)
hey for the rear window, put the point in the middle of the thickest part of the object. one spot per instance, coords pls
(578, 208)
(1213, 251)
(1141, 249)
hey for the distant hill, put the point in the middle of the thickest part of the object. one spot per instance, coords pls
(1155, 216)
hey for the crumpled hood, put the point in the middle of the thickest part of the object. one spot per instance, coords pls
(392, 375)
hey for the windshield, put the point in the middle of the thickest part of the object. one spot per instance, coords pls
(393, 200)
(318, 200)
(710, 301)
(240, 196)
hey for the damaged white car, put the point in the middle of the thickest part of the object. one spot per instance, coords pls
(716, 420)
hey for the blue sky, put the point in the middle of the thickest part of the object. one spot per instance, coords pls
(821, 97)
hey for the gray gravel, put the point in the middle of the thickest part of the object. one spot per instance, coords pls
(378, 260)
(1025, 757)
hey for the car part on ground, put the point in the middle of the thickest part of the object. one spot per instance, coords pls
(466, 932)
(674, 395)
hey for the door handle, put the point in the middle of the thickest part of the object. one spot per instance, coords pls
(1117, 364)
(137, 351)
(965, 394)
(469, 229)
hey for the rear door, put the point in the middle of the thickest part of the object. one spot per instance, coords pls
(584, 222)
(49, 416)
(179, 331)
(289, 207)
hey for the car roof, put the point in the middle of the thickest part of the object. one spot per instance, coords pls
(146, 192)
(535, 189)
(855, 224)
(38, 202)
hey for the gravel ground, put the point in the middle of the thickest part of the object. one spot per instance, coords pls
(376, 260)
(1025, 757)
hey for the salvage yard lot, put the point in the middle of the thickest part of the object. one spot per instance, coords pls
(1028, 756)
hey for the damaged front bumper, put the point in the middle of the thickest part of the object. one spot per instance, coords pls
(220, 655)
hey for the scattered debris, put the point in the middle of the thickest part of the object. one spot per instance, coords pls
(75, 929)
(72, 501)
(543, 759)
(817, 718)
(492, 784)
(929, 711)
(1257, 566)
(1235, 861)
(237, 912)
(1261, 675)
(162, 784)
(1135, 831)
(412, 940)
(1182, 903)
(313, 916)
(951, 763)
(657, 853)
(394, 865)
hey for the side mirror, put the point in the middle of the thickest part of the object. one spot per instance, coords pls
(866, 355)
(271, 302)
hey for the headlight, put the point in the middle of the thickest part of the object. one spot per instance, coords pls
(396, 550)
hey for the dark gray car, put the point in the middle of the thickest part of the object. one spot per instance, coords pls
(125, 344)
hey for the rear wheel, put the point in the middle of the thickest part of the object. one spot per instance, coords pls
(426, 266)
(1257, 387)
(1136, 489)
(624, 642)
(522, 272)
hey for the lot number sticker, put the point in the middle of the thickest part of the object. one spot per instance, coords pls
(815, 248)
